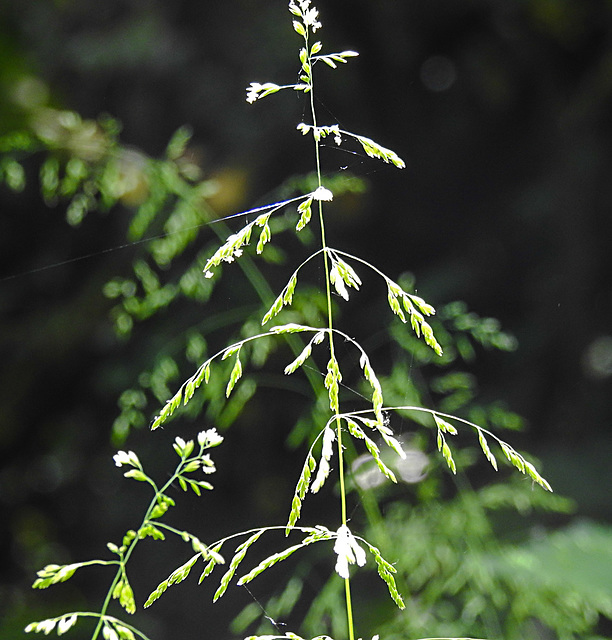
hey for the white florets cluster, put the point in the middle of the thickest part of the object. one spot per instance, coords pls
(308, 14)
(126, 457)
(348, 551)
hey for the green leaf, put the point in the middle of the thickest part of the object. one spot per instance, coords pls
(202, 375)
(266, 233)
(277, 305)
(299, 28)
(425, 307)
(215, 559)
(338, 281)
(429, 337)
(331, 58)
(332, 381)
(264, 238)
(485, 448)
(207, 570)
(231, 350)
(348, 274)
(123, 592)
(236, 560)
(356, 431)
(169, 408)
(235, 375)
(342, 274)
(183, 448)
(517, 460)
(196, 485)
(316, 47)
(305, 211)
(136, 474)
(291, 327)
(394, 304)
(178, 143)
(151, 531)
(126, 597)
(124, 632)
(231, 249)
(53, 573)
(178, 575)
(159, 509)
(418, 323)
(113, 548)
(285, 298)
(444, 426)
(49, 178)
(128, 537)
(300, 491)
(155, 595)
(14, 174)
(386, 571)
(268, 562)
(299, 361)
(446, 452)
(513, 456)
(289, 290)
(277, 557)
(374, 150)
(191, 466)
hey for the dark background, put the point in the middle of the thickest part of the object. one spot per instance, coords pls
(501, 110)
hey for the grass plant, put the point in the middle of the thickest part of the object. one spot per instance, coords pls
(344, 428)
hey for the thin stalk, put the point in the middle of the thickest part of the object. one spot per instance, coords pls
(105, 605)
(126, 556)
(330, 325)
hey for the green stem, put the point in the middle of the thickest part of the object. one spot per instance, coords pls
(330, 325)
(105, 604)
(125, 557)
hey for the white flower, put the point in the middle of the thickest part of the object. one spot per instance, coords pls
(65, 624)
(109, 633)
(310, 19)
(327, 450)
(257, 90)
(308, 15)
(208, 466)
(209, 438)
(46, 626)
(126, 457)
(253, 92)
(321, 193)
(348, 551)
